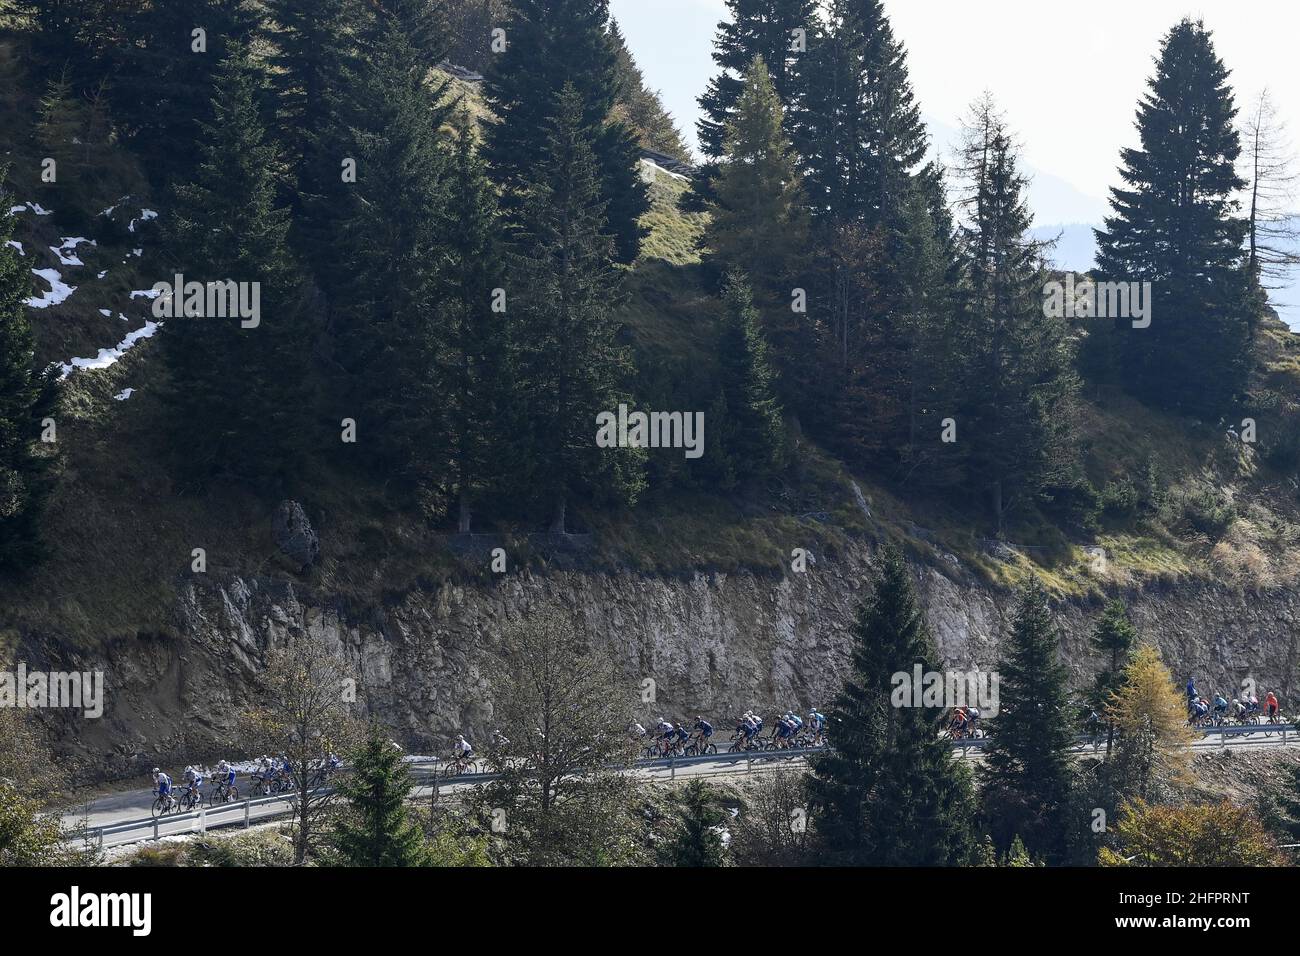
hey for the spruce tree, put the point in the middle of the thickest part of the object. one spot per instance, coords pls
(474, 339)
(237, 396)
(166, 85)
(888, 793)
(378, 831)
(763, 29)
(1017, 398)
(561, 290)
(1027, 763)
(749, 429)
(552, 44)
(695, 839)
(1114, 636)
(27, 397)
(759, 226)
(385, 317)
(1175, 223)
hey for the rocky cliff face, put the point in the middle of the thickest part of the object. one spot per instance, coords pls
(711, 643)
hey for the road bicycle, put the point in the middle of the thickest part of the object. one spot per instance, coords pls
(164, 803)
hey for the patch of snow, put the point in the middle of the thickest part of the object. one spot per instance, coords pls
(15, 210)
(36, 208)
(66, 251)
(58, 289)
(105, 312)
(137, 252)
(102, 274)
(146, 293)
(107, 357)
(145, 216)
(17, 245)
(123, 395)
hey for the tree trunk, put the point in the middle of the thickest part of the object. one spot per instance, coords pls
(557, 523)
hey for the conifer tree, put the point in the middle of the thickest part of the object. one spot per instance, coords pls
(317, 59)
(167, 82)
(1152, 755)
(474, 339)
(386, 320)
(759, 225)
(1027, 763)
(1115, 636)
(562, 287)
(552, 44)
(695, 840)
(237, 394)
(27, 397)
(1018, 394)
(750, 431)
(1175, 223)
(378, 830)
(763, 29)
(889, 793)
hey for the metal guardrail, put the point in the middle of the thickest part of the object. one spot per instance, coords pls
(232, 814)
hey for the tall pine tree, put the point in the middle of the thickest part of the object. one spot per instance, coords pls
(378, 830)
(889, 793)
(551, 44)
(561, 287)
(238, 395)
(1027, 762)
(1175, 223)
(1017, 397)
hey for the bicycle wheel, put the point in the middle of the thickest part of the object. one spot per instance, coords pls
(710, 749)
(158, 805)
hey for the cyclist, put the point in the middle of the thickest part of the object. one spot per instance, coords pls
(1192, 695)
(227, 772)
(795, 723)
(164, 785)
(678, 738)
(755, 728)
(462, 749)
(1238, 710)
(1220, 707)
(1270, 702)
(664, 733)
(704, 730)
(816, 723)
(1092, 724)
(972, 719)
(193, 781)
(958, 724)
(1199, 709)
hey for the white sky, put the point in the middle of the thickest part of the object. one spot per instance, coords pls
(1068, 74)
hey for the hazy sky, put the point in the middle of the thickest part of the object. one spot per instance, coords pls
(1068, 75)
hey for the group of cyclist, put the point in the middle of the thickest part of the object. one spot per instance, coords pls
(1246, 709)
(964, 723)
(269, 774)
(677, 739)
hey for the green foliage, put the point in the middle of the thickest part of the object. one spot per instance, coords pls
(1174, 224)
(1027, 763)
(695, 837)
(27, 397)
(377, 830)
(237, 395)
(889, 793)
(562, 288)
(554, 45)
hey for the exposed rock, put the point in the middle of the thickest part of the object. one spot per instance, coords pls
(294, 534)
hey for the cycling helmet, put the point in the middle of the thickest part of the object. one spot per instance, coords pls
(156, 770)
